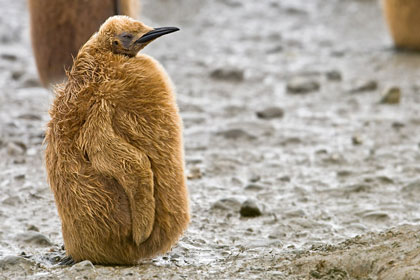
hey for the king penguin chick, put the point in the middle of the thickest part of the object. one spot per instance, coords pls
(114, 152)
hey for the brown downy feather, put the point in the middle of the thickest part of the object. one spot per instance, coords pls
(114, 153)
(60, 27)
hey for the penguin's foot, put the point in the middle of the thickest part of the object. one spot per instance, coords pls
(67, 260)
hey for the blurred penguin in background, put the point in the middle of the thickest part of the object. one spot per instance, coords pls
(403, 18)
(60, 27)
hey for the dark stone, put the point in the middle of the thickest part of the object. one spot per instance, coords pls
(9, 57)
(250, 209)
(363, 86)
(14, 149)
(16, 75)
(29, 116)
(391, 95)
(19, 161)
(398, 125)
(236, 133)
(275, 49)
(254, 187)
(255, 178)
(31, 82)
(33, 228)
(284, 178)
(270, 113)
(301, 85)
(228, 74)
(333, 75)
(356, 140)
(20, 177)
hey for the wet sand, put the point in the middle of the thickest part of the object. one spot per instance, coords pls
(298, 167)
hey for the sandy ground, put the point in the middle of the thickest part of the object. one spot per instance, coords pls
(281, 102)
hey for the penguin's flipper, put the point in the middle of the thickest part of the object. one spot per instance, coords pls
(138, 184)
(111, 155)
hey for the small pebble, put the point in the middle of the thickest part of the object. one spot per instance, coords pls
(83, 266)
(295, 11)
(391, 95)
(356, 188)
(10, 57)
(228, 74)
(398, 125)
(9, 261)
(175, 256)
(250, 209)
(236, 181)
(194, 173)
(270, 113)
(356, 140)
(255, 178)
(300, 85)
(236, 133)
(344, 173)
(12, 200)
(254, 187)
(295, 213)
(54, 257)
(35, 238)
(376, 216)
(30, 116)
(31, 82)
(284, 178)
(233, 3)
(16, 75)
(363, 86)
(275, 49)
(19, 161)
(20, 177)
(334, 75)
(33, 228)
(13, 149)
(227, 204)
(193, 160)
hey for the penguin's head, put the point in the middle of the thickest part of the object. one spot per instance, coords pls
(124, 35)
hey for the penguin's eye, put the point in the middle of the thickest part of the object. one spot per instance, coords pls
(127, 36)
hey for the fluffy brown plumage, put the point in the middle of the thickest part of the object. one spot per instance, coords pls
(114, 152)
(404, 22)
(60, 27)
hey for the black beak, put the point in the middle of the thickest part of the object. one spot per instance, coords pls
(155, 33)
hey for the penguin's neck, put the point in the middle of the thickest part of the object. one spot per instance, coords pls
(86, 69)
(91, 63)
